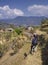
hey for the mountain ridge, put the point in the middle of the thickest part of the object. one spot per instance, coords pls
(21, 20)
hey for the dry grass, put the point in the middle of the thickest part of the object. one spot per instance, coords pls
(18, 59)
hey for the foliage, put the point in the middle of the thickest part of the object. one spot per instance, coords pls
(1, 50)
(41, 41)
(18, 31)
(4, 48)
(8, 36)
(45, 53)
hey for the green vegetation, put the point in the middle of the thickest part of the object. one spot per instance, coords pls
(18, 31)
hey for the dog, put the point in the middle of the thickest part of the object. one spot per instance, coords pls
(25, 55)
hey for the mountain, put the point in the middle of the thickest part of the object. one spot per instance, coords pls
(22, 20)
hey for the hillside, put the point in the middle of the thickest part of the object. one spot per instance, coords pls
(17, 42)
(18, 58)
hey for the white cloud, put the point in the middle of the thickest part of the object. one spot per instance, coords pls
(38, 10)
(7, 12)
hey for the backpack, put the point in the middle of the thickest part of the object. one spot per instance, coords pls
(34, 40)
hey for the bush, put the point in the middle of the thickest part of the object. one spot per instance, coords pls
(1, 50)
(18, 31)
(42, 41)
(16, 49)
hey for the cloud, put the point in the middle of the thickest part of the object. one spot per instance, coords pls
(7, 12)
(38, 10)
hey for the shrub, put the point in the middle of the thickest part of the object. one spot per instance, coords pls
(18, 31)
(1, 50)
(16, 49)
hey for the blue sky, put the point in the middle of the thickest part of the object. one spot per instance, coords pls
(13, 8)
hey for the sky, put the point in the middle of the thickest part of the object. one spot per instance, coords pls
(14, 8)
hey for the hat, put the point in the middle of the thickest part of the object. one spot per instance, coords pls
(35, 34)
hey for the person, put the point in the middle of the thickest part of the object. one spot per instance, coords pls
(34, 43)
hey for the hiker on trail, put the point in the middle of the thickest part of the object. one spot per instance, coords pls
(34, 43)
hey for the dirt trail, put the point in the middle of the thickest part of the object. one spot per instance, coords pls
(33, 59)
(18, 59)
